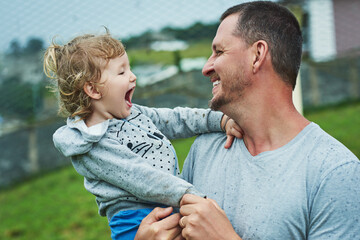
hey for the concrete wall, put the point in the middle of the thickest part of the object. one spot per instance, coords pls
(330, 82)
(27, 152)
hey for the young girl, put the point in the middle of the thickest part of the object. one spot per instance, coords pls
(121, 149)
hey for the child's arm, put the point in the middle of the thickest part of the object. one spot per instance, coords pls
(114, 163)
(183, 122)
(187, 122)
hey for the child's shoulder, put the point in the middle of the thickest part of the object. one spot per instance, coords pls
(76, 138)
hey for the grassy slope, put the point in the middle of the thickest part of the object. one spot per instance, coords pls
(56, 206)
(52, 206)
(199, 49)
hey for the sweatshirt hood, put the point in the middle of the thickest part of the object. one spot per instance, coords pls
(76, 138)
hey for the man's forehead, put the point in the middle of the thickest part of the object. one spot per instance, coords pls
(228, 24)
(225, 30)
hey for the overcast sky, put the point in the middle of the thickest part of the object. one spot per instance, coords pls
(21, 19)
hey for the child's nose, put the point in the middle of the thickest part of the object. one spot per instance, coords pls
(133, 77)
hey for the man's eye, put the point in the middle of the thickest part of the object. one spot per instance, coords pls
(218, 52)
(121, 73)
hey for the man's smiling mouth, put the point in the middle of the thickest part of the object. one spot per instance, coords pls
(217, 82)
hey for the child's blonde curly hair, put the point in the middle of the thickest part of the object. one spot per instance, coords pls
(72, 65)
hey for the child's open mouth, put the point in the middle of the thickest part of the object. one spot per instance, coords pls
(128, 96)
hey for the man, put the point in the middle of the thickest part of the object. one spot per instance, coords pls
(287, 178)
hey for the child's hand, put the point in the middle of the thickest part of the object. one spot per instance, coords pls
(232, 129)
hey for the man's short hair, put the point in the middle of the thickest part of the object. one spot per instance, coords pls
(275, 24)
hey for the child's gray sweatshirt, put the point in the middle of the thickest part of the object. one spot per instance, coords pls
(129, 163)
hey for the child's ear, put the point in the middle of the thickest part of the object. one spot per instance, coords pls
(92, 91)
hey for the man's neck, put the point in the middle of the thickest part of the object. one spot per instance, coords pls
(260, 138)
(270, 127)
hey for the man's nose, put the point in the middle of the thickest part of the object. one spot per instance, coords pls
(208, 67)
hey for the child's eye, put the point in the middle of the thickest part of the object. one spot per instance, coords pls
(121, 73)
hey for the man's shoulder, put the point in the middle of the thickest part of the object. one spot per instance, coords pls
(328, 153)
(329, 145)
(205, 141)
(209, 138)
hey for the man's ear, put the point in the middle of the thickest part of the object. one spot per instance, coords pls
(92, 91)
(260, 50)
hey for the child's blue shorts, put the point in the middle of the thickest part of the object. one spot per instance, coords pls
(125, 224)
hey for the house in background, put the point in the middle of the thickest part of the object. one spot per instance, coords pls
(331, 28)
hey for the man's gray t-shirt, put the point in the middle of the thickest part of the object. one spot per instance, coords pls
(307, 189)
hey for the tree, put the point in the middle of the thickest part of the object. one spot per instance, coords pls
(15, 48)
(19, 99)
(34, 45)
(195, 32)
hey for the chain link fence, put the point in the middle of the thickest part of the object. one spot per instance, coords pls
(168, 41)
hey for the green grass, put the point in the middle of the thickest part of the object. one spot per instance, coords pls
(182, 147)
(56, 206)
(51, 206)
(145, 56)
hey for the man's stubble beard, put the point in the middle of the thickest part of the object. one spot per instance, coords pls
(216, 104)
(230, 91)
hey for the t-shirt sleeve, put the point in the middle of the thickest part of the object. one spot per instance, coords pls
(188, 167)
(335, 207)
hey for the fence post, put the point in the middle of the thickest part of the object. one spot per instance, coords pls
(314, 83)
(33, 151)
(354, 79)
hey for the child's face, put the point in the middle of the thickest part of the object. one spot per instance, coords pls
(117, 91)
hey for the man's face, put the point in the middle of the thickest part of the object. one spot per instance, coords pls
(228, 66)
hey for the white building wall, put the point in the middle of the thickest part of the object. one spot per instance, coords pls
(322, 43)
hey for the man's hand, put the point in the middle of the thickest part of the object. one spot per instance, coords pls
(232, 130)
(204, 219)
(159, 225)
